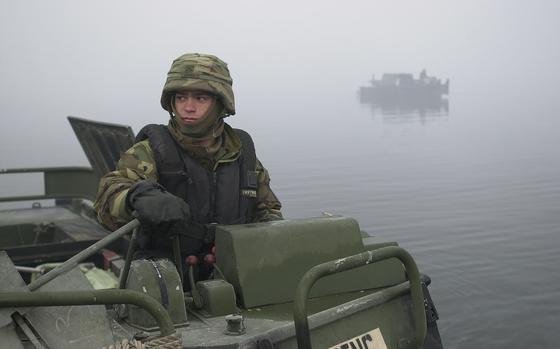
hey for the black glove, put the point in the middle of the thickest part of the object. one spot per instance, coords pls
(158, 210)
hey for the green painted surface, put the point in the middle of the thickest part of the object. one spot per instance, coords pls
(143, 278)
(218, 297)
(101, 279)
(265, 261)
(60, 182)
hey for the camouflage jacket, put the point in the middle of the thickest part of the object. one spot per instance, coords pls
(138, 163)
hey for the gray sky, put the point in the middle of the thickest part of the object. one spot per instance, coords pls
(108, 59)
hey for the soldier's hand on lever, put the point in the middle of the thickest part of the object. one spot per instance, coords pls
(158, 210)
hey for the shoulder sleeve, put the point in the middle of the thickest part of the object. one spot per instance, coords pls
(268, 206)
(136, 164)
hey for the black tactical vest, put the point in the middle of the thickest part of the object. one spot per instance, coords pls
(224, 196)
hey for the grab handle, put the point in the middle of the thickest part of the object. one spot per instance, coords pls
(321, 270)
(91, 297)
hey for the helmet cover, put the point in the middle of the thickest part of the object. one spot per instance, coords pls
(196, 71)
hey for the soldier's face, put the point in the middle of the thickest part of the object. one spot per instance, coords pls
(191, 106)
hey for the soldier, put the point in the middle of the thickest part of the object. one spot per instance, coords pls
(194, 172)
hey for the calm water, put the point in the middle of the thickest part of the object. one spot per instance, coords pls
(472, 192)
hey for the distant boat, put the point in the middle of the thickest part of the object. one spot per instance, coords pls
(402, 86)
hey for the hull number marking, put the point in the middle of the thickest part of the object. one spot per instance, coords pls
(370, 340)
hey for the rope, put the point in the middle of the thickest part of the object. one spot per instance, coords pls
(167, 342)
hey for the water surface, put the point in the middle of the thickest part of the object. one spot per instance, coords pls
(473, 192)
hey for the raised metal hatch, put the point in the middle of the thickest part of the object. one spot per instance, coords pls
(102, 142)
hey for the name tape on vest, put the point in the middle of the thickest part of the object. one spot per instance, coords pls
(249, 193)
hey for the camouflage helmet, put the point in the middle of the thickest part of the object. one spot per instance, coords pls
(196, 71)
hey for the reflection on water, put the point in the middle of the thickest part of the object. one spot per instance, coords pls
(408, 109)
(402, 98)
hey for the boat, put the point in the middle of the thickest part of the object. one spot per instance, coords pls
(403, 86)
(318, 282)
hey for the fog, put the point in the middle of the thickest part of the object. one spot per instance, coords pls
(290, 60)
(472, 193)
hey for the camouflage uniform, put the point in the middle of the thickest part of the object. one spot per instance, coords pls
(191, 71)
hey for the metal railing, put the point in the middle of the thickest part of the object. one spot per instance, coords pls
(88, 297)
(91, 297)
(59, 183)
(351, 262)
